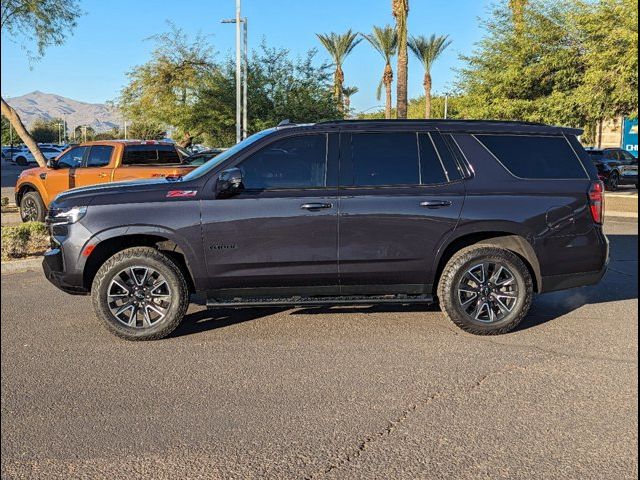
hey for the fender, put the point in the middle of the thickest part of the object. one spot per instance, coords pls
(510, 235)
(195, 266)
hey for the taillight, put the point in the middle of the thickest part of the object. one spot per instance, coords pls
(596, 202)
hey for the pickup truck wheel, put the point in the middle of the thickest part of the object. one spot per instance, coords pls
(140, 294)
(486, 290)
(32, 207)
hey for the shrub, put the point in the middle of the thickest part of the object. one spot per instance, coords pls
(5, 201)
(31, 238)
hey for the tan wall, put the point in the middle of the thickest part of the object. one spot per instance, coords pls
(610, 135)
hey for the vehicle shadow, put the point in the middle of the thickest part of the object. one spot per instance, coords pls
(620, 283)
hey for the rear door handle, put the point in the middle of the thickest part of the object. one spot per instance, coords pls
(316, 206)
(436, 204)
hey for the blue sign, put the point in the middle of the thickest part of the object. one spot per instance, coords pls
(630, 136)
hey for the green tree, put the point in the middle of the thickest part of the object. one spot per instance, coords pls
(427, 50)
(145, 130)
(385, 41)
(7, 134)
(84, 133)
(163, 90)
(571, 62)
(48, 131)
(347, 93)
(400, 9)
(45, 23)
(339, 47)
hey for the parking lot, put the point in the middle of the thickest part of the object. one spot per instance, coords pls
(338, 393)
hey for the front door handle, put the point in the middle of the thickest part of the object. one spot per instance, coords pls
(316, 206)
(102, 175)
(436, 204)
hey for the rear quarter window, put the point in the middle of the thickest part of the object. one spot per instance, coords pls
(150, 155)
(535, 157)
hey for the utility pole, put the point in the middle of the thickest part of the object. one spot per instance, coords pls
(125, 130)
(446, 106)
(245, 63)
(59, 133)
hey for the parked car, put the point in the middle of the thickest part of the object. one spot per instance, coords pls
(25, 157)
(476, 215)
(95, 163)
(615, 166)
(200, 158)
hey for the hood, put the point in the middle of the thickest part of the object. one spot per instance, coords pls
(117, 192)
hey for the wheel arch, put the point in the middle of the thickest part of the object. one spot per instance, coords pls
(24, 188)
(112, 244)
(514, 242)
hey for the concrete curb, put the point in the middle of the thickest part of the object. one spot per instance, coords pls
(21, 266)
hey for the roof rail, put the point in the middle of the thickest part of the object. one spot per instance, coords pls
(450, 120)
(286, 123)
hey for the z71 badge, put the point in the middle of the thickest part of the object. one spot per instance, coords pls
(181, 193)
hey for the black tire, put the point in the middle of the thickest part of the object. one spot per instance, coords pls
(140, 258)
(614, 181)
(32, 208)
(450, 296)
(22, 161)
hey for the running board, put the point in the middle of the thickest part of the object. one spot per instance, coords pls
(321, 301)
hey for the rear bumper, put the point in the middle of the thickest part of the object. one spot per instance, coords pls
(54, 271)
(564, 282)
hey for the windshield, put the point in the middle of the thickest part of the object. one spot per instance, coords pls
(214, 162)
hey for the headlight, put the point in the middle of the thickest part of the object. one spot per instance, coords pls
(72, 215)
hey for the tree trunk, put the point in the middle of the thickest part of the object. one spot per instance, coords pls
(388, 81)
(427, 95)
(187, 140)
(337, 89)
(19, 127)
(347, 105)
(401, 12)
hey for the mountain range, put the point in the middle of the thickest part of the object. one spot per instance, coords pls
(48, 106)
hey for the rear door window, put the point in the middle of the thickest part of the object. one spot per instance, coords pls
(384, 159)
(535, 157)
(99, 156)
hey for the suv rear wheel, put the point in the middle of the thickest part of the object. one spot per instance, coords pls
(32, 207)
(140, 294)
(486, 290)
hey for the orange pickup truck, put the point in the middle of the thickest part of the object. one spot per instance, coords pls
(93, 163)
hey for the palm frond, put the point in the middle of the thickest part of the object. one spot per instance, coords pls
(427, 50)
(339, 45)
(384, 40)
(350, 91)
(379, 90)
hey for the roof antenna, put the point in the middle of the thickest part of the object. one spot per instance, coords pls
(284, 123)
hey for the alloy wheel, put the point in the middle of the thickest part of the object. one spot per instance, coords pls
(139, 297)
(29, 210)
(488, 292)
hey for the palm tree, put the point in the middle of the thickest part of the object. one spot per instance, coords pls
(339, 47)
(347, 93)
(385, 41)
(427, 50)
(401, 13)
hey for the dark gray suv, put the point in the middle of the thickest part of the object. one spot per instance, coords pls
(477, 215)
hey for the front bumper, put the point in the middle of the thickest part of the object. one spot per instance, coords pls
(54, 271)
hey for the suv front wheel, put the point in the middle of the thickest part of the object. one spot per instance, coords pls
(486, 290)
(140, 294)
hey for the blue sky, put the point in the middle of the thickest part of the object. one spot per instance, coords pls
(110, 38)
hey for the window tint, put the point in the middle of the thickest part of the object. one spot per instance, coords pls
(628, 158)
(294, 162)
(385, 159)
(450, 165)
(535, 156)
(99, 156)
(150, 155)
(72, 159)
(431, 166)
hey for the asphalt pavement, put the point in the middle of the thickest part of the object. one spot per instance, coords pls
(352, 393)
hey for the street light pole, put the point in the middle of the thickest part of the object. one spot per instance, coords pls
(242, 68)
(238, 73)
(446, 106)
(246, 79)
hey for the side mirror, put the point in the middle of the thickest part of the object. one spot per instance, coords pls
(229, 183)
(53, 164)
